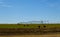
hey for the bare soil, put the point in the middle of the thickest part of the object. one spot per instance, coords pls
(46, 35)
(23, 31)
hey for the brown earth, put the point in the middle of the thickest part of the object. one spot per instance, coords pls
(46, 35)
(30, 31)
(52, 32)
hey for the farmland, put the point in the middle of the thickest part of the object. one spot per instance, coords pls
(29, 25)
(22, 29)
(51, 35)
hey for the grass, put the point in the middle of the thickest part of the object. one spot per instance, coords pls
(28, 25)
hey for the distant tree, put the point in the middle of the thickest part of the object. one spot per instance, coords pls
(38, 26)
(44, 26)
(18, 23)
(41, 22)
(24, 25)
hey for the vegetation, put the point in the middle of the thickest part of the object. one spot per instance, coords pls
(29, 25)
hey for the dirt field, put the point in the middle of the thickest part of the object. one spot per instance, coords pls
(47, 35)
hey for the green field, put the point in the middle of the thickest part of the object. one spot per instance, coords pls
(29, 25)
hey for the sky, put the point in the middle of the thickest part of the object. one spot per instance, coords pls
(14, 11)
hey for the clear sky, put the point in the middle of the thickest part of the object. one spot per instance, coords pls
(14, 11)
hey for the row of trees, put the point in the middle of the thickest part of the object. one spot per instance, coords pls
(33, 22)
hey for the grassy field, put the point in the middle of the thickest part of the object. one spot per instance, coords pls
(29, 25)
(12, 29)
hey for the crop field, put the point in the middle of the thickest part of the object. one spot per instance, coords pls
(22, 29)
(29, 25)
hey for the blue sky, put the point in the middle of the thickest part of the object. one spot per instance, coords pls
(14, 11)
